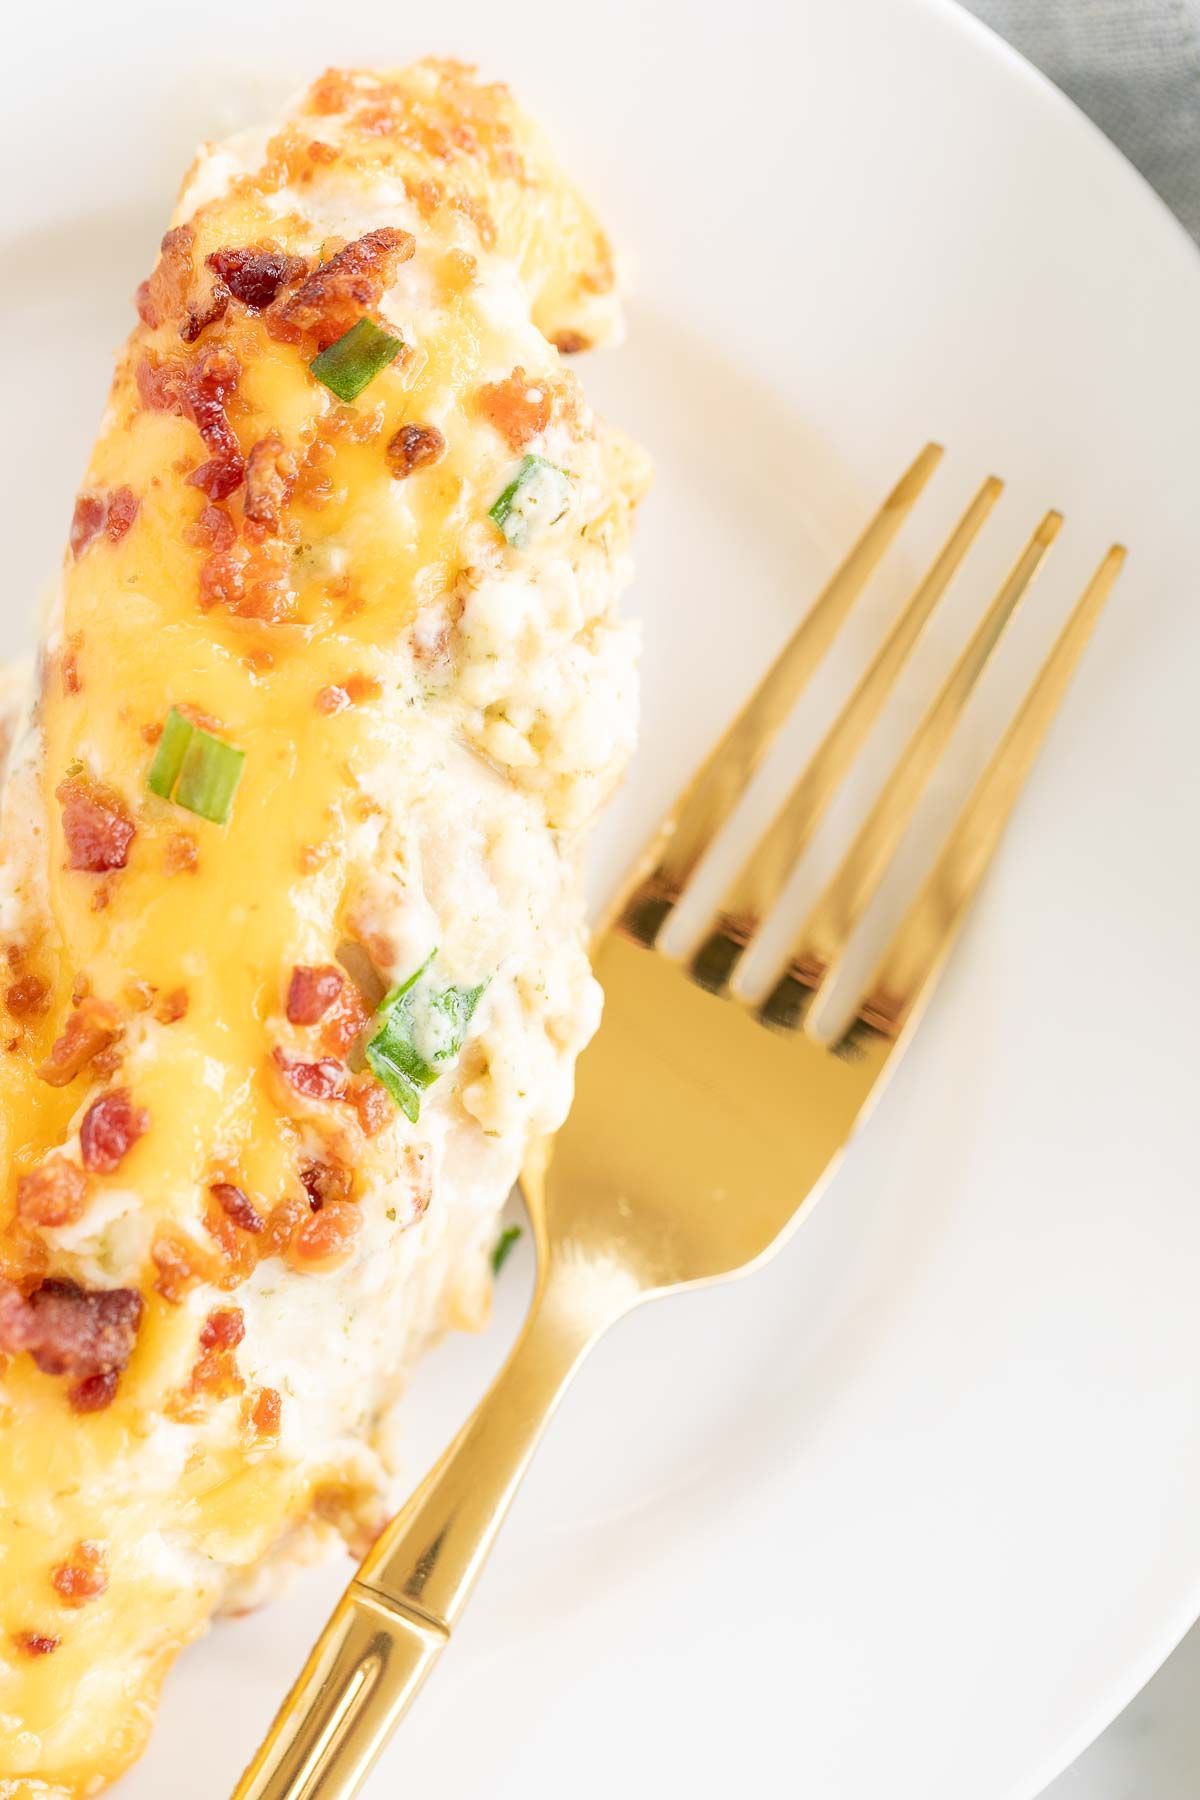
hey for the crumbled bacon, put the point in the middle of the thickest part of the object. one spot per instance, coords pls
(182, 854)
(87, 522)
(209, 384)
(162, 383)
(518, 408)
(70, 1330)
(164, 295)
(238, 1206)
(324, 1183)
(35, 1643)
(89, 1030)
(323, 1080)
(27, 996)
(177, 1268)
(339, 293)
(110, 1126)
(96, 824)
(412, 447)
(123, 506)
(213, 530)
(94, 1393)
(311, 992)
(283, 1222)
(372, 1104)
(72, 681)
(267, 1412)
(253, 581)
(224, 1329)
(326, 1239)
(255, 276)
(270, 478)
(172, 1006)
(570, 343)
(82, 1576)
(345, 1022)
(203, 312)
(53, 1194)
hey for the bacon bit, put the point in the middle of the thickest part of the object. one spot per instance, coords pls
(87, 522)
(517, 407)
(255, 276)
(238, 1206)
(123, 506)
(270, 478)
(213, 530)
(211, 382)
(164, 295)
(239, 1250)
(370, 1101)
(323, 1080)
(172, 1006)
(82, 1576)
(91, 1028)
(162, 384)
(570, 343)
(72, 682)
(253, 581)
(282, 1224)
(346, 1021)
(325, 1183)
(322, 152)
(96, 824)
(314, 482)
(224, 1329)
(178, 1268)
(311, 992)
(326, 1239)
(201, 313)
(413, 447)
(339, 293)
(267, 1412)
(182, 854)
(111, 1125)
(35, 1643)
(94, 1393)
(27, 997)
(53, 1194)
(70, 1330)
(332, 92)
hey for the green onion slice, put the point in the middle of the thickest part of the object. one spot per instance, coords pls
(538, 495)
(503, 1247)
(421, 1031)
(195, 769)
(356, 359)
(168, 758)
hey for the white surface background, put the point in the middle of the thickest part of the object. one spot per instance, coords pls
(914, 1512)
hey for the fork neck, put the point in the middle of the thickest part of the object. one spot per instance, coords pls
(431, 1555)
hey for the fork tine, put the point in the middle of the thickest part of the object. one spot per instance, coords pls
(923, 938)
(706, 803)
(825, 932)
(759, 882)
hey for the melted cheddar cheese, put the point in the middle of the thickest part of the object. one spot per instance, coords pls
(429, 715)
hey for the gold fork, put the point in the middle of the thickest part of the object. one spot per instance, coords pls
(702, 1124)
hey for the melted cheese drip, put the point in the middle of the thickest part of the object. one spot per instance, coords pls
(179, 1505)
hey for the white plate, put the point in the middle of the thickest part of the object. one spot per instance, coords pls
(914, 1511)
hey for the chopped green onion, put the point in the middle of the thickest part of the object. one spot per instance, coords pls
(195, 769)
(356, 359)
(503, 1249)
(422, 1029)
(538, 495)
(168, 758)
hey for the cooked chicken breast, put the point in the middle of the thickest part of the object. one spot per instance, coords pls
(295, 960)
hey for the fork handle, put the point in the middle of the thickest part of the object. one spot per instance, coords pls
(394, 1620)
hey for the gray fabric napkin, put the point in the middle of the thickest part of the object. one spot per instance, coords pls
(1134, 65)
